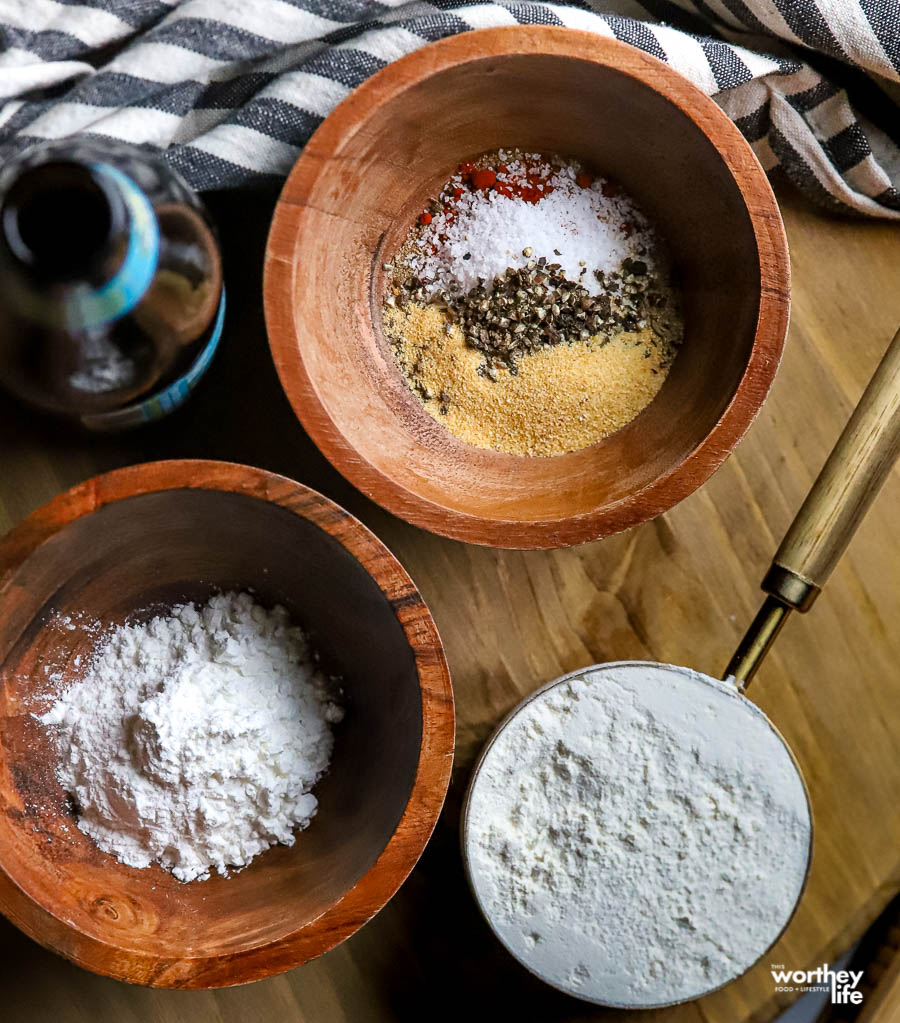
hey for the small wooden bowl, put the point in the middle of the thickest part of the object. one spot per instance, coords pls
(368, 171)
(149, 536)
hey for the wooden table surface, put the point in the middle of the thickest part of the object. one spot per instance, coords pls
(679, 589)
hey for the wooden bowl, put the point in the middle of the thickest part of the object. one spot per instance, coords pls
(157, 534)
(366, 174)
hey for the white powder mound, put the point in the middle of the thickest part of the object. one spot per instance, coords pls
(579, 228)
(638, 837)
(194, 740)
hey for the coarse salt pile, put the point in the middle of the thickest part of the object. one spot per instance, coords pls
(584, 225)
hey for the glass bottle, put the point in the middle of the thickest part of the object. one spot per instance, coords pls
(111, 296)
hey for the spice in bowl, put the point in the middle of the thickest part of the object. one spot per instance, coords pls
(531, 307)
(194, 740)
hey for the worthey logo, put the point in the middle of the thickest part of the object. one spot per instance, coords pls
(841, 984)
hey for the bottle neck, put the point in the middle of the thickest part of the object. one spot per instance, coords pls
(80, 242)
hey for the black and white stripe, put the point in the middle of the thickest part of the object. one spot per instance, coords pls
(231, 90)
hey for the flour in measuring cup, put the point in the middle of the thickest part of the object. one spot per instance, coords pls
(633, 840)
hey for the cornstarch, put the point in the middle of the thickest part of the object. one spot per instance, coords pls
(634, 839)
(194, 740)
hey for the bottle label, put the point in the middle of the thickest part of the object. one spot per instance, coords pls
(167, 400)
(122, 292)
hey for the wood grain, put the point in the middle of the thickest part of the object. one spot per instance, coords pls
(850, 479)
(138, 540)
(679, 589)
(369, 170)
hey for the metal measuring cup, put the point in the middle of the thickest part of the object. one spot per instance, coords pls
(851, 477)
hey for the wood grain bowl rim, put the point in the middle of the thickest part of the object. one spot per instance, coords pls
(378, 885)
(774, 300)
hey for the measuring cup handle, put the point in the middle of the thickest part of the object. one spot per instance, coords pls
(840, 497)
(843, 491)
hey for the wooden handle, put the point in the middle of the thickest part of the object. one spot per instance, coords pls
(846, 486)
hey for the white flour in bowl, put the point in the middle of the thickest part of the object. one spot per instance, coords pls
(194, 740)
(635, 837)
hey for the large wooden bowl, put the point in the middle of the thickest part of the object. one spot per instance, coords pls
(149, 536)
(366, 174)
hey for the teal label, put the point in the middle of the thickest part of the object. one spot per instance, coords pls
(171, 397)
(122, 293)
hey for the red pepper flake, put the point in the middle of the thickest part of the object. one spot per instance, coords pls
(483, 179)
(584, 180)
(610, 190)
(424, 218)
(530, 186)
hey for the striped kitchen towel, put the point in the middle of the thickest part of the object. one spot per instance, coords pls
(232, 89)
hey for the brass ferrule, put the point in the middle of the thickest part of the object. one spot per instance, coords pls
(790, 588)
